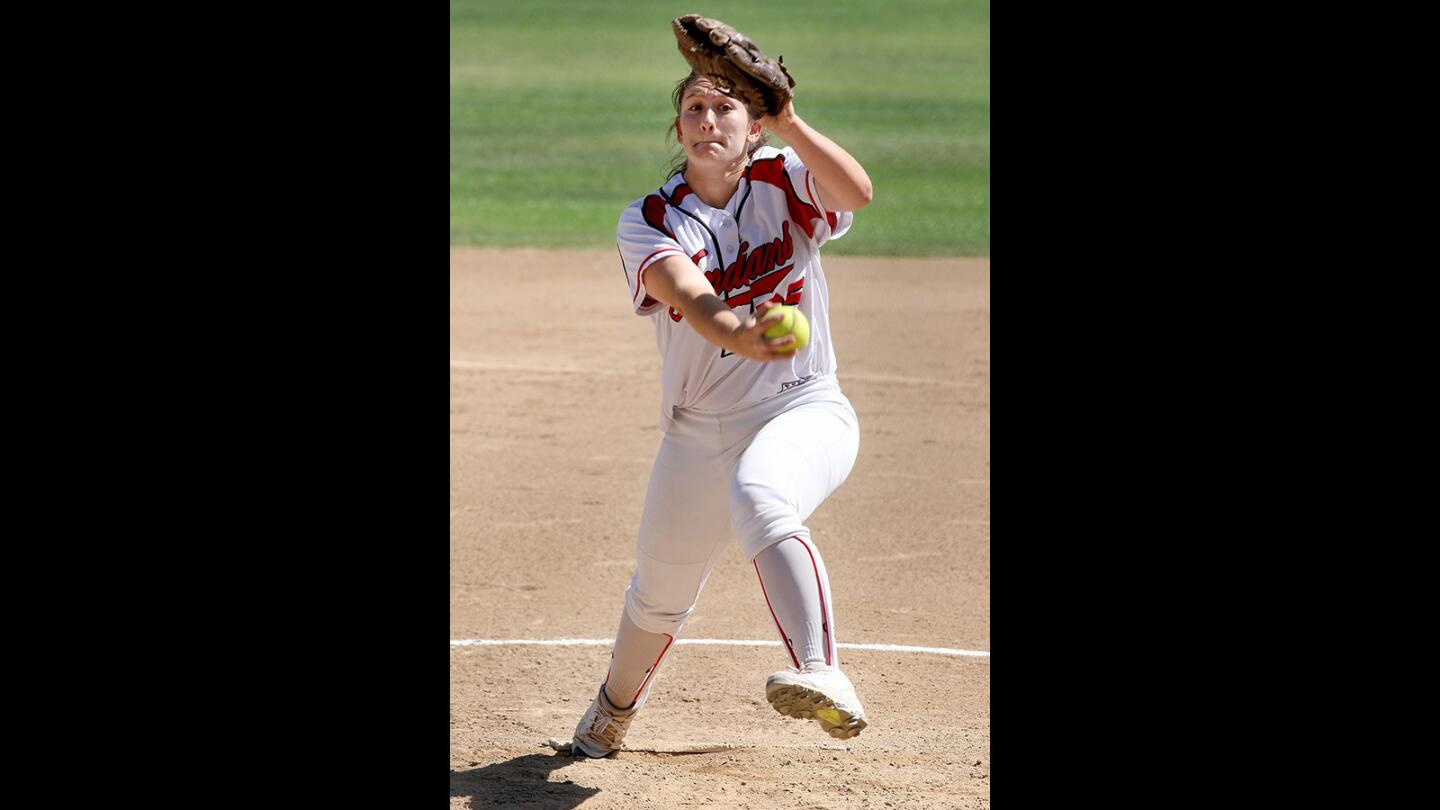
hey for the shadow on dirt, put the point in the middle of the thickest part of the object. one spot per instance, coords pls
(522, 781)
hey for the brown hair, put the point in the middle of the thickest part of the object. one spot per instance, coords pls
(678, 163)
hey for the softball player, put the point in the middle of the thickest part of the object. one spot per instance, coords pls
(757, 434)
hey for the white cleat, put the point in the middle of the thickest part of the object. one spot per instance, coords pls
(822, 694)
(602, 729)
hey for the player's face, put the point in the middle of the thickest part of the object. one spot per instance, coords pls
(713, 127)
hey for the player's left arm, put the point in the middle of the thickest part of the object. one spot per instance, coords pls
(839, 178)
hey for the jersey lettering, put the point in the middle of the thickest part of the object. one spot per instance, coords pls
(749, 266)
(762, 244)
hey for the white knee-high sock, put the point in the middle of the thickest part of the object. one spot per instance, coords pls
(633, 662)
(797, 589)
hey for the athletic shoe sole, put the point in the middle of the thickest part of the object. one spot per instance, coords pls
(803, 703)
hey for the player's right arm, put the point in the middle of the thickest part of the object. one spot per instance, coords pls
(676, 281)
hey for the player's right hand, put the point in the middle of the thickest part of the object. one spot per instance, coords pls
(750, 340)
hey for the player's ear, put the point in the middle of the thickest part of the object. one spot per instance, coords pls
(678, 137)
(757, 130)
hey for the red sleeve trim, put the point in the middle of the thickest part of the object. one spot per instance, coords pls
(646, 263)
(831, 218)
(811, 190)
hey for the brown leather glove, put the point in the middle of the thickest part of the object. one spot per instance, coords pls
(716, 49)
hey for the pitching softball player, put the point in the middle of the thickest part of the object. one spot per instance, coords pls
(757, 434)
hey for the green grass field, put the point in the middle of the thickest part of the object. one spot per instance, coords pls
(560, 113)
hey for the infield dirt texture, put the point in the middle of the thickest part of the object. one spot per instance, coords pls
(554, 402)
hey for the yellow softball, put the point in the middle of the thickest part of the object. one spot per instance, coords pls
(794, 323)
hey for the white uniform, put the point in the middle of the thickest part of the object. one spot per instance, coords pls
(750, 448)
(763, 245)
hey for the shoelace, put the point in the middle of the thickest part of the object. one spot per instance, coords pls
(606, 727)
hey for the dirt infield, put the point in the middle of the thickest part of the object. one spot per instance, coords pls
(554, 401)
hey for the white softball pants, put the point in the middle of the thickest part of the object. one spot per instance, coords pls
(754, 475)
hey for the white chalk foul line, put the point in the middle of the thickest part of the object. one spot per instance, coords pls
(726, 642)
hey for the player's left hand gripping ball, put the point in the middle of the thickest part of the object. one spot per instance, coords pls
(792, 323)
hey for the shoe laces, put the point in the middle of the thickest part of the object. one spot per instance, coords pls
(607, 727)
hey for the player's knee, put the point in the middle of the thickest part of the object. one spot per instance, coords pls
(751, 496)
(761, 514)
(657, 609)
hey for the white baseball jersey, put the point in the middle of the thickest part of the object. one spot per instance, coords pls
(764, 244)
